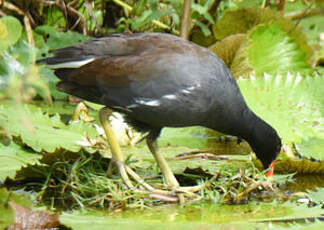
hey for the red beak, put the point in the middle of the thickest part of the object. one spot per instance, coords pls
(271, 168)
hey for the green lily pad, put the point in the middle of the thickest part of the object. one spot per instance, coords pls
(192, 137)
(44, 133)
(317, 225)
(13, 158)
(292, 104)
(317, 195)
(269, 49)
(313, 147)
(194, 216)
(245, 19)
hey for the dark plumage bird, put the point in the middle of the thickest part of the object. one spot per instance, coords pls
(160, 80)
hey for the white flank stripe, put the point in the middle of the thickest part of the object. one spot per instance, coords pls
(170, 96)
(73, 64)
(147, 102)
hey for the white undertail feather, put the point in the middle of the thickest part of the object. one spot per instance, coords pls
(72, 64)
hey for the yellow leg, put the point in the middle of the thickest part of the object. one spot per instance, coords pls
(167, 173)
(117, 155)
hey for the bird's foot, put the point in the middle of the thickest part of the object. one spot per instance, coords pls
(126, 173)
(171, 191)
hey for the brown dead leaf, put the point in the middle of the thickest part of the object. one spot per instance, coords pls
(28, 219)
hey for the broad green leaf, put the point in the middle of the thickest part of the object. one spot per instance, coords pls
(313, 147)
(272, 51)
(85, 221)
(41, 132)
(245, 19)
(317, 195)
(317, 225)
(268, 49)
(13, 158)
(207, 213)
(192, 137)
(193, 216)
(293, 105)
(14, 30)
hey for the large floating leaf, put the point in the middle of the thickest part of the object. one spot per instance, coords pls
(312, 147)
(245, 19)
(317, 195)
(41, 132)
(13, 158)
(268, 49)
(192, 137)
(194, 216)
(317, 225)
(293, 105)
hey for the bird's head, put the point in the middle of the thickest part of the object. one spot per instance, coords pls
(266, 144)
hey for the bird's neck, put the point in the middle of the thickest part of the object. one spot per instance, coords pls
(244, 125)
(250, 125)
(256, 132)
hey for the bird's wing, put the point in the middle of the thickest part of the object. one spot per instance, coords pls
(124, 66)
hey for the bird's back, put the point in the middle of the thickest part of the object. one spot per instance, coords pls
(155, 78)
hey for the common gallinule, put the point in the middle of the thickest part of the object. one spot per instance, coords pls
(159, 80)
